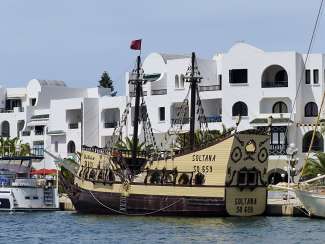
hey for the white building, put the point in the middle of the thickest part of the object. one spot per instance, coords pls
(245, 80)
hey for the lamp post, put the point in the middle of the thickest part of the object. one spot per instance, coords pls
(291, 152)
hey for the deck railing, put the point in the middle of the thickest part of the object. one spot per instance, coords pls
(274, 84)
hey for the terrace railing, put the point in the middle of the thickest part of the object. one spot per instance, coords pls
(159, 92)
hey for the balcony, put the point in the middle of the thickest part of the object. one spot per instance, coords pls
(274, 84)
(110, 124)
(159, 92)
(178, 121)
(73, 126)
(278, 149)
(37, 151)
(132, 94)
(15, 109)
(210, 88)
(213, 119)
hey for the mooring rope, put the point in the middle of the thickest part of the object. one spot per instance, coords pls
(127, 214)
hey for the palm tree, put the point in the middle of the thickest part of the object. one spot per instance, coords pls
(200, 138)
(314, 166)
(127, 145)
(13, 147)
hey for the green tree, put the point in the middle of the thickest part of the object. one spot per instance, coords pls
(13, 147)
(106, 82)
(127, 145)
(200, 138)
(314, 166)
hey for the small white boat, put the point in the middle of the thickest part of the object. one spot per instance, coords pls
(22, 191)
(312, 199)
(314, 202)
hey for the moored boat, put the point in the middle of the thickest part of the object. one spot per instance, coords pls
(210, 174)
(20, 190)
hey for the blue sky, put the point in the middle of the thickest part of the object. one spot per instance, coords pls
(76, 40)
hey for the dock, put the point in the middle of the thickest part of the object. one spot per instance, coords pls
(278, 205)
(65, 203)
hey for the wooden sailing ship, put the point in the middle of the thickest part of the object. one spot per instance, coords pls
(210, 176)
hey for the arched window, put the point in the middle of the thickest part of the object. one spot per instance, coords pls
(71, 147)
(318, 143)
(280, 107)
(239, 108)
(311, 109)
(281, 76)
(176, 81)
(274, 76)
(5, 129)
(181, 83)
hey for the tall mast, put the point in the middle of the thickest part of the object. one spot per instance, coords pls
(138, 90)
(194, 79)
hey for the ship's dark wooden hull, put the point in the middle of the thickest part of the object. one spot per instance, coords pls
(95, 202)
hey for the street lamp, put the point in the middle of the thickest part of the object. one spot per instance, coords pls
(291, 152)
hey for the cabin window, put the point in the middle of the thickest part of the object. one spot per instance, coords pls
(251, 178)
(183, 179)
(155, 178)
(316, 76)
(307, 76)
(242, 178)
(238, 76)
(161, 113)
(35, 198)
(199, 179)
(27, 197)
(311, 109)
(247, 178)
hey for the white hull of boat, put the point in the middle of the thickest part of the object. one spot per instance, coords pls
(313, 202)
(28, 199)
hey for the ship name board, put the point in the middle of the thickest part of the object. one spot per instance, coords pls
(203, 158)
(245, 205)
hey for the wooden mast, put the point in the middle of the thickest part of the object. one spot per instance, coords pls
(138, 91)
(193, 87)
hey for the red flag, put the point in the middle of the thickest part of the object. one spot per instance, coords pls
(136, 44)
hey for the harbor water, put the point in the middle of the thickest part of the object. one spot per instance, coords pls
(70, 227)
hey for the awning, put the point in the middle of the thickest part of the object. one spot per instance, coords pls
(40, 117)
(275, 121)
(37, 122)
(44, 172)
(56, 133)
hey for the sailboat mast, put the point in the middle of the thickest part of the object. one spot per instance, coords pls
(193, 87)
(138, 89)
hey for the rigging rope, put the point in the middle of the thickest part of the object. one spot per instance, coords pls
(127, 214)
(302, 72)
